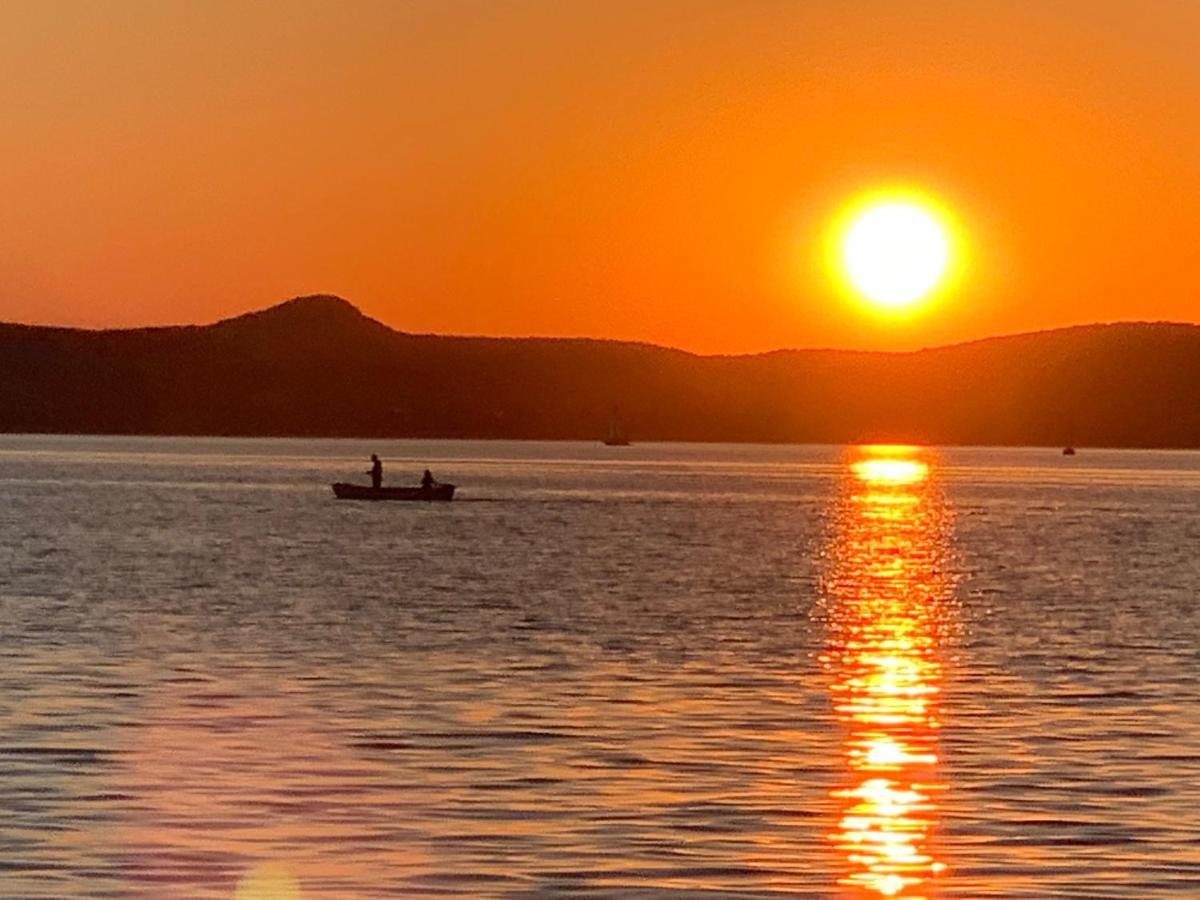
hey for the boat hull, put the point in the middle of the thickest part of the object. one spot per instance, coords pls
(345, 491)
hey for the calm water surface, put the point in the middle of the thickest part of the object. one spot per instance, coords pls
(658, 671)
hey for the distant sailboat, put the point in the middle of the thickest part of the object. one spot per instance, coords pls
(616, 431)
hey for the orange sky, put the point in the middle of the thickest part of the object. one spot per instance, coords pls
(654, 171)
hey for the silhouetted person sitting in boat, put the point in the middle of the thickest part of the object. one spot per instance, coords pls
(427, 481)
(376, 472)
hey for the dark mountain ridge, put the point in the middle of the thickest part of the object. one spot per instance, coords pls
(317, 366)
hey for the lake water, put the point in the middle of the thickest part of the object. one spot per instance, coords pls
(654, 671)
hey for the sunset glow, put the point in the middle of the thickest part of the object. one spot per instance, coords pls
(552, 171)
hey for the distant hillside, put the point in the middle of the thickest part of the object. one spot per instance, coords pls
(317, 366)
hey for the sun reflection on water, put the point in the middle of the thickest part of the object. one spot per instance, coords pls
(268, 881)
(887, 594)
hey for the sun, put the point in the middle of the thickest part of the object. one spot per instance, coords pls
(894, 250)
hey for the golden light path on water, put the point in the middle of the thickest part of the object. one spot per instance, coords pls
(268, 881)
(887, 593)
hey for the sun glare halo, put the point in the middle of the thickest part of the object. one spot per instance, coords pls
(894, 249)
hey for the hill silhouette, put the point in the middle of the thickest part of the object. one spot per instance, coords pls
(317, 366)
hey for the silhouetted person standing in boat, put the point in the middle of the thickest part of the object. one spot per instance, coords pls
(376, 472)
(427, 481)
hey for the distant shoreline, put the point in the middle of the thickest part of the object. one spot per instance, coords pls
(317, 367)
(614, 452)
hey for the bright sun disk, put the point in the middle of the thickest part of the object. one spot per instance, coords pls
(895, 252)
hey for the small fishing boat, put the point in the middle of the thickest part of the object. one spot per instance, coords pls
(345, 491)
